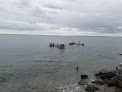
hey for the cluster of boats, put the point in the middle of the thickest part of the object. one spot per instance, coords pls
(60, 46)
(73, 43)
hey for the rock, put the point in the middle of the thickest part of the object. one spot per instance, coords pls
(84, 76)
(120, 54)
(101, 73)
(111, 89)
(105, 74)
(100, 82)
(106, 81)
(83, 82)
(91, 88)
(119, 81)
(112, 82)
(114, 71)
(108, 75)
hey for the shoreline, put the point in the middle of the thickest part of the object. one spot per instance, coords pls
(106, 81)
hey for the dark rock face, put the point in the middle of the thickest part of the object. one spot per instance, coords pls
(101, 73)
(103, 77)
(112, 82)
(109, 75)
(100, 82)
(114, 71)
(91, 88)
(118, 81)
(106, 81)
(84, 76)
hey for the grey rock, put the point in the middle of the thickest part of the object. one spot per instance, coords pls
(100, 82)
(84, 76)
(83, 82)
(101, 73)
(108, 75)
(91, 88)
(106, 81)
(112, 82)
(111, 89)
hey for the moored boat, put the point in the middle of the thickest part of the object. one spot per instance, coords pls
(71, 43)
(57, 45)
(78, 44)
(51, 45)
(61, 46)
(82, 44)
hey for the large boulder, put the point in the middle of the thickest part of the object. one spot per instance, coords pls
(84, 76)
(112, 82)
(91, 88)
(83, 82)
(108, 75)
(101, 73)
(100, 82)
(106, 81)
(114, 70)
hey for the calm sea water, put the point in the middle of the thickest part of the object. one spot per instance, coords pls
(28, 64)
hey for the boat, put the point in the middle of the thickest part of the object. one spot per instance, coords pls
(61, 46)
(57, 45)
(78, 44)
(51, 45)
(71, 43)
(82, 44)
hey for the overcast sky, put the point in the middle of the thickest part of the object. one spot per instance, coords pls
(61, 17)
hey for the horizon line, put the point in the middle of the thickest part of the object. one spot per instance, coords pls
(63, 35)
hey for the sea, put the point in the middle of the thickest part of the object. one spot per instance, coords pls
(28, 64)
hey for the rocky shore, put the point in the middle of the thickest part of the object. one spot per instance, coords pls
(106, 81)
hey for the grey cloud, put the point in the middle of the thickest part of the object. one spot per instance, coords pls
(103, 16)
(53, 7)
(20, 26)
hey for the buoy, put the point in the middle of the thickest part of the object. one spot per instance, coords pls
(77, 68)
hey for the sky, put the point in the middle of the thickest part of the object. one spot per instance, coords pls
(61, 17)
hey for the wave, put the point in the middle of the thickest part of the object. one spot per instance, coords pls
(4, 77)
(48, 61)
(71, 88)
